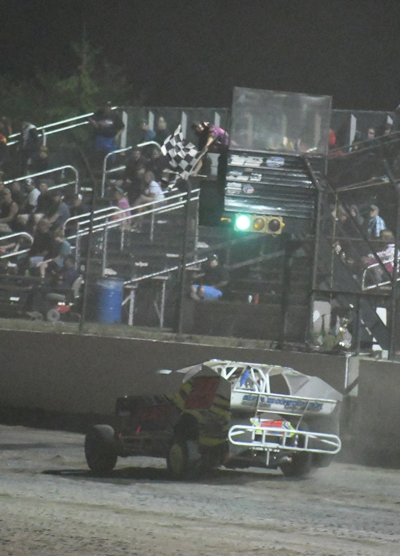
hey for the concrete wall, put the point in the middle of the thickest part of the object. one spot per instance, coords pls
(376, 428)
(82, 374)
(85, 374)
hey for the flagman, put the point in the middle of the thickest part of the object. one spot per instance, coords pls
(212, 139)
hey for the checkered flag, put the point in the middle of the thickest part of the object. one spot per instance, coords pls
(182, 156)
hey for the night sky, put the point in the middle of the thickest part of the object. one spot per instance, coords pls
(192, 53)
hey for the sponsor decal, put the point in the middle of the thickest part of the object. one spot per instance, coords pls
(275, 162)
(255, 177)
(233, 188)
(266, 402)
(236, 175)
(253, 161)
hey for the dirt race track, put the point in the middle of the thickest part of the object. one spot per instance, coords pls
(50, 505)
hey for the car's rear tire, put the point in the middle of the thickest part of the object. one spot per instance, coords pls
(301, 464)
(100, 449)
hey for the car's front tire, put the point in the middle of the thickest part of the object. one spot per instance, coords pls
(100, 449)
(183, 459)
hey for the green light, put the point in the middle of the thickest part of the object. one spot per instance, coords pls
(243, 222)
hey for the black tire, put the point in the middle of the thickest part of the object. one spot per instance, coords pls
(100, 449)
(53, 315)
(183, 459)
(301, 464)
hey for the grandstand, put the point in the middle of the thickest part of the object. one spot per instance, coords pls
(145, 276)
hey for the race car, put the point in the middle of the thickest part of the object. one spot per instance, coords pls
(226, 413)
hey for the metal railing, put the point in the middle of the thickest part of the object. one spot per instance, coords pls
(75, 182)
(15, 239)
(376, 270)
(108, 171)
(48, 129)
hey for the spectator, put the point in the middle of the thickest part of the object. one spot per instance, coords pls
(41, 247)
(123, 204)
(146, 134)
(214, 279)
(371, 141)
(356, 141)
(60, 281)
(29, 147)
(152, 193)
(333, 149)
(44, 201)
(33, 195)
(385, 252)
(58, 212)
(78, 208)
(136, 185)
(355, 213)
(108, 126)
(8, 212)
(375, 223)
(17, 194)
(162, 131)
(134, 160)
(30, 204)
(213, 139)
(60, 250)
(157, 163)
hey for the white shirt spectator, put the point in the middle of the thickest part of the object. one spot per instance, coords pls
(154, 188)
(33, 197)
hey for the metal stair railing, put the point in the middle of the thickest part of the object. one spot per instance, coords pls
(366, 314)
(48, 129)
(106, 171)
(153, 208)
(15, 237)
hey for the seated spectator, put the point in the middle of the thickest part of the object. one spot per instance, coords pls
(41, 248)
(61, 249)
(58, 213)
(214, 279)
(157, 163)
(162, 131)
(44, 201)
(133, 161)
(146, 134)
(136, 185)
(8, 213)
(122, 203)
(78, 208)
(60, 281)
(152, 193)
(385, 252)
(375, 223)
(18, 194)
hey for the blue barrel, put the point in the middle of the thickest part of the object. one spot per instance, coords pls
(110, 299)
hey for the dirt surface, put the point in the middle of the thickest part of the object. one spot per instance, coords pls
(51, 505)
